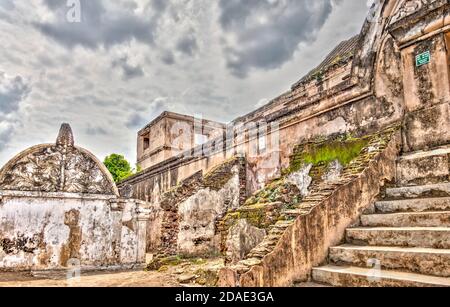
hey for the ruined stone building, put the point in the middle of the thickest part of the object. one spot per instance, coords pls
(342, 180)
(366, 132)
(60, 209)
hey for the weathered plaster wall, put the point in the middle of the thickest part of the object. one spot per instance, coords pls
(171, 134)
(59, 207)
(44, 232)
(184, 220)
(427, 95)
(426, 87)
(359, 117)
(378, 86)
(293, 247)
(199, 214)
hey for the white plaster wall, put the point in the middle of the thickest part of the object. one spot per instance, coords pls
(108, 237)
(199, 213)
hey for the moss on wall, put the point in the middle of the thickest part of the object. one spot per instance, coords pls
(281, 200)
(344, 152)
(278, 191)
(266, 206)
(321, 153)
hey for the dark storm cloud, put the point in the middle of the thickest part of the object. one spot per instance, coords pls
(168, 58)
(12, 92)
(159, 5)
(96, 131)
(136, 121)
(268, 31)
(187, 45)
(100, 24)
(129, 71)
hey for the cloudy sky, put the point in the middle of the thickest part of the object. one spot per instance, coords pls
(126, 61)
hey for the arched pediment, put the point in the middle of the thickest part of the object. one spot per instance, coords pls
(59, 167)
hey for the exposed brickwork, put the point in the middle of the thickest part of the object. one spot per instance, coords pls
(171, 200)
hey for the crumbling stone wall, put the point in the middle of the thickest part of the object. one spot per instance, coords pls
(188, 214)
(379, 84)
(360, 91)
(391, 87)
(45, 232)
(59, 209)
(312, 165)
(299, 237)
(426, 85)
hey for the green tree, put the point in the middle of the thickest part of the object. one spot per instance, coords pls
(119, 167)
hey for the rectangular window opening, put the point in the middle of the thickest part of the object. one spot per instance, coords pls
(146, 143)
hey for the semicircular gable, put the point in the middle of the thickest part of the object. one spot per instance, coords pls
(59, 167)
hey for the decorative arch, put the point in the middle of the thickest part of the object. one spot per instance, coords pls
(59, 167)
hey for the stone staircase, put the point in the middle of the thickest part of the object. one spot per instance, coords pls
(404, 240)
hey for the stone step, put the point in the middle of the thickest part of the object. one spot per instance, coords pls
(424, 167)
(347, 276)
(310, 284)
(431, 190)
(413, 205)
(426, 261)
(407, 219)
(426, 237)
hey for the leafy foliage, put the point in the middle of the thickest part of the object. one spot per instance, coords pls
(119, 167)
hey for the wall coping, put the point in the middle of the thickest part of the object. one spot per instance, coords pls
(37, 194)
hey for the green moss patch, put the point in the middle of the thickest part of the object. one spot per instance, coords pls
(344, 152)
(277, 191)
(321, 154)
(266, 206)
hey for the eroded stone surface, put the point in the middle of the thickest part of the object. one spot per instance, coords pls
(405, 219)
(199, 214)
(417, 260)
(428, 237)
(242, 238)
(414, 205)
(334, 171)
(60, 208)
(362, 277)
(301, 179)
(422, 168)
